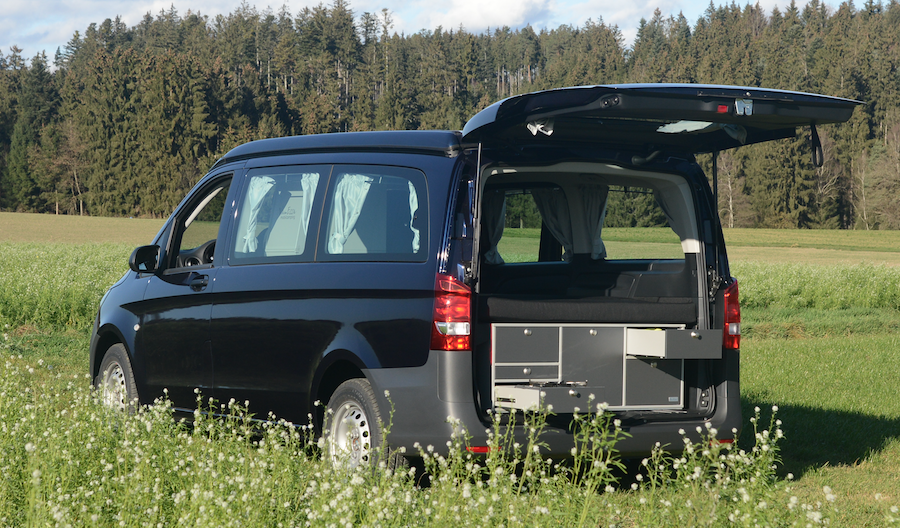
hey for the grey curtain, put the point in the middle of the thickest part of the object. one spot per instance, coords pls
(493, 209)
(554, 209)
(594, 204)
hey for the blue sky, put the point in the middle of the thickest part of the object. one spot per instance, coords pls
(36, 25)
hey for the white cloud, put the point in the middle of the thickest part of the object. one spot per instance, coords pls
(627, 15)
(479, 15)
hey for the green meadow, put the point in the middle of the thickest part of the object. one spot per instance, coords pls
(821, 334)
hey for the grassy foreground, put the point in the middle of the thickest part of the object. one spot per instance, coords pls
(819, 344)
(67, 461)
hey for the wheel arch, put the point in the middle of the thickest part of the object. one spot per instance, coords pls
(336, 368)
(106, 337)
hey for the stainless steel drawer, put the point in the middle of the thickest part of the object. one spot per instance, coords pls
(673, 343)
(526, 344)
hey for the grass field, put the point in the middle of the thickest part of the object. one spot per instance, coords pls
(42, 228)
(820, 343)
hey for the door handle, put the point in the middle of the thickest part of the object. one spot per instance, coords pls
(199, 283)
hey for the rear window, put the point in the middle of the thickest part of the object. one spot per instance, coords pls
(540, 224)
(636, 227)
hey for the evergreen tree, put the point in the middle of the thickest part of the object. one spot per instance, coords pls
(782, 183)
(36, 108)
(521, 211)
(11, 71)
(627, 207)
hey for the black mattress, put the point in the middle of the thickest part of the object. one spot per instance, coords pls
(535, 309)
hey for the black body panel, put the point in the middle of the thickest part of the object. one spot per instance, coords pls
(174, 338)
(274, 325)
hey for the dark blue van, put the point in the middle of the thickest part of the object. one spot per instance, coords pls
(338, 268)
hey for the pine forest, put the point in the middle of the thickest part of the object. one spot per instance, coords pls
(122, 121)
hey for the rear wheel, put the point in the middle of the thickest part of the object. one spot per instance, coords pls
(353, 434)
(116, 380)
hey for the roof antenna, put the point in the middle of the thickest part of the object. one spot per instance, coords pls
(818, 155)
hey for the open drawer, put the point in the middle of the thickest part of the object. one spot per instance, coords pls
(673, 343)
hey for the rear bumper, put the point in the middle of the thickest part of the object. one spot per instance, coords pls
(426, 405)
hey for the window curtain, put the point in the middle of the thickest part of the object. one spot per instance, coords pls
(349, 197)
(493, 208)
(289, 218)
(554, 209)
(309, 183)
(258, 188)
(594, 202)
(680, 227)
(413, 207)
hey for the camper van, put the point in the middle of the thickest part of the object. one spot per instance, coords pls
(392, 274)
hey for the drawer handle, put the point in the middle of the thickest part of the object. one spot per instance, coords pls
(526, 371)
(528, 331)
(696, 335)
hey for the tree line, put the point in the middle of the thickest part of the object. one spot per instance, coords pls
(123, 120)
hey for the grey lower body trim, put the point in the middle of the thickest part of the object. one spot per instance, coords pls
(427, 404)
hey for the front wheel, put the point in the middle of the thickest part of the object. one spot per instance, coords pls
(353, 433)
(116, 380)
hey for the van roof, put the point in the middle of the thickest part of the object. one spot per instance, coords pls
(434, 142)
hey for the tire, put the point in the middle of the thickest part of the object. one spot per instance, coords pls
(116, 380)
(353, 425)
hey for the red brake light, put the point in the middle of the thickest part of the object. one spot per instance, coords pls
(722, 109)
(481, 450)
(452, 319)
(731, 338)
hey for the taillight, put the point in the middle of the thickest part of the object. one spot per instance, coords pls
(452, 317)
(732, 334)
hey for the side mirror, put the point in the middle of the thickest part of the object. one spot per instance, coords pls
(144, 259)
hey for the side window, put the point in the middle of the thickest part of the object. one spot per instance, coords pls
(194, 243)
(274, 220)
(376, 214)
